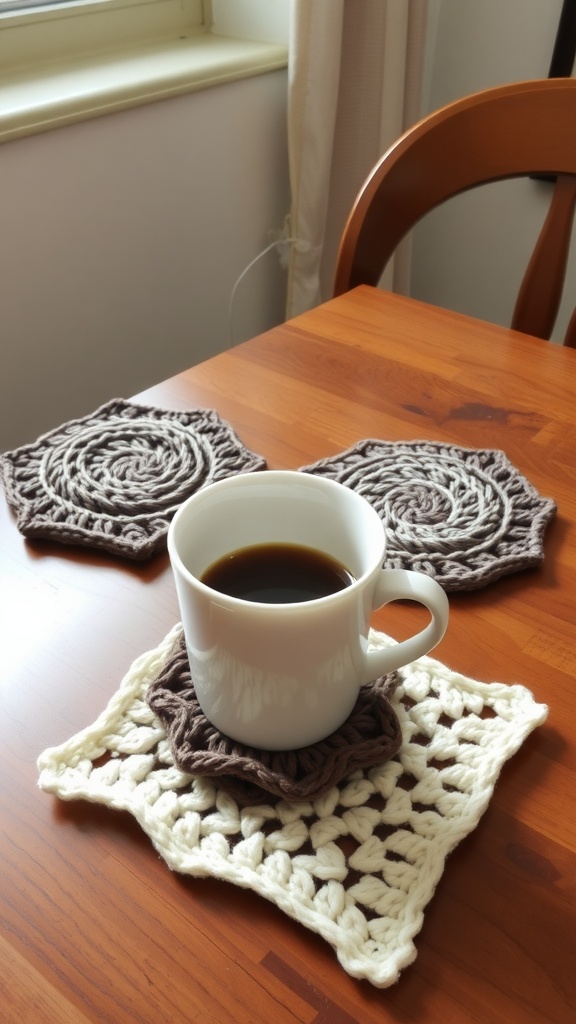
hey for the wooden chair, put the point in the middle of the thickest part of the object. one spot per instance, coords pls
(521, 129)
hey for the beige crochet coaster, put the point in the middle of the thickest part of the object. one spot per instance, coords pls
(359, 864)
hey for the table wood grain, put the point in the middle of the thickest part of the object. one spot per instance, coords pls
(93, 925)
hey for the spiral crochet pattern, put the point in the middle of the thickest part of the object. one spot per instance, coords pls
(464, 516)
(358, 864)
(114, 479)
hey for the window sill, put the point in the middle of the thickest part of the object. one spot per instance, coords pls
(36, 99)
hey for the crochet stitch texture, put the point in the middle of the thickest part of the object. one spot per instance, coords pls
(357, 865)
(465, 516)
(370, 735)
(115, 478)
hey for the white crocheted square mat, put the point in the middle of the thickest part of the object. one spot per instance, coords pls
(357, 865)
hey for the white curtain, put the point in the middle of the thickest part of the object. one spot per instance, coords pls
(355, 81)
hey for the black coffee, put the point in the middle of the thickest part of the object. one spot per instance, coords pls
(277, 574)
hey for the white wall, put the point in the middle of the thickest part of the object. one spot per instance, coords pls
(268, 20)
(123, 236)
(121, 240)
(470, 254)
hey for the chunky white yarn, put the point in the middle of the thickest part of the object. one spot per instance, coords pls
(402, 818)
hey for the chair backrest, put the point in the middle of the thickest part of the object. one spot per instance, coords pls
(516, 130)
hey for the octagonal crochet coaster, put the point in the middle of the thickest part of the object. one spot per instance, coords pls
(357, 865)
(464, 516)
(114, 479)
(370, 735)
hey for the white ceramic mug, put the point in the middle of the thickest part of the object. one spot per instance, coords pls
(282, 676)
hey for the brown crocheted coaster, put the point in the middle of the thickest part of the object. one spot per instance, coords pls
(465, 516)
(370, 736)
(114, 479)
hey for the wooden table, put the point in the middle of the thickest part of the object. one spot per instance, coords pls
(94, 925)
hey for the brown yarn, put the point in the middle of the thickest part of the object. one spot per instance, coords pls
(465, 516)
(370, 736)
(113, 480)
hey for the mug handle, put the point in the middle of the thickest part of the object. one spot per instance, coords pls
(404, 584)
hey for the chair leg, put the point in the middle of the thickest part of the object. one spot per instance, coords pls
(541, 289)
(570, 336)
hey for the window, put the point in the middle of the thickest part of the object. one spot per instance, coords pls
(31, 33)
(75, 59)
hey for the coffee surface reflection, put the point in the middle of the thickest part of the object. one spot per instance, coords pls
(277, 574)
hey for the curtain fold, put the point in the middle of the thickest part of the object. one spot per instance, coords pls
(354, 84)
